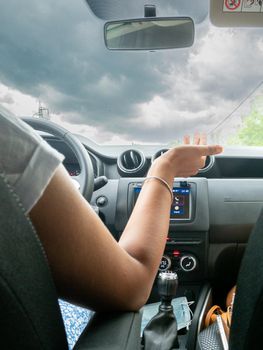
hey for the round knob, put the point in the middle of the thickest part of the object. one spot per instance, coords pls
(167, 285)
(188, 263)
(101, 201)
(165, 263)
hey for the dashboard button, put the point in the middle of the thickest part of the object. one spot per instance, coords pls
(188, 263)
(165, 263)
(101, 201)
(176, 253)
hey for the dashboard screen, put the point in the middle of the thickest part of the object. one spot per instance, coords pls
(181, 206)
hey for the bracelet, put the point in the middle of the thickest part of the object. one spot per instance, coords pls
(163, 182)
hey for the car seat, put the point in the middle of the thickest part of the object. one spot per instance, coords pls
(246, 327)
(247, 322)
(30, 317)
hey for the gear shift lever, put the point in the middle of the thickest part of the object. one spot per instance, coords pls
(161, 331)
(167, 288)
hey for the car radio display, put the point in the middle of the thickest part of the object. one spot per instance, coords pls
(180, 208)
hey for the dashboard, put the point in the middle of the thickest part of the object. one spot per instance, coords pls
(211, 216)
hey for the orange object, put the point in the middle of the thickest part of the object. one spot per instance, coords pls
(216, 310)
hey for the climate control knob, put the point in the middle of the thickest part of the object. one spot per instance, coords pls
(165, 263)
(188, 263)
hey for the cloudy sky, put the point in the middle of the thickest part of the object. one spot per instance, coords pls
(53, 51)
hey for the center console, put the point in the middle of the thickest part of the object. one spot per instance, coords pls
(187, 243)
(186, 250)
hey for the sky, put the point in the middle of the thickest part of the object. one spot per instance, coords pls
(53, 52)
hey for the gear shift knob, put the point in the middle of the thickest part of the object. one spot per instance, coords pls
(161, 331)
(167, 285)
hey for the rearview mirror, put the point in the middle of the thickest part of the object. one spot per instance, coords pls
(149, 33)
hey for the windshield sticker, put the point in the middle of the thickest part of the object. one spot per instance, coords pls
(232, 6)
(251, 5)
(243, 6)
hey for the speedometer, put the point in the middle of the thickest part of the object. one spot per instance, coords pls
(72, 168)
(74, 172)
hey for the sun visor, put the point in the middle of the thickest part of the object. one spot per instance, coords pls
(236, 13)
(127, 9)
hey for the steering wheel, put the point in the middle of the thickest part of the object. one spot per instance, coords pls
(86, 176)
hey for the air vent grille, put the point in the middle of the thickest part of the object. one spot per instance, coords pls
(210, 160)
(131, 162)
(159, 153)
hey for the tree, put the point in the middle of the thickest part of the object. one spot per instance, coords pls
(251, 131)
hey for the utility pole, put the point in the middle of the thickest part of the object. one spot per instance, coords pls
(43, 112)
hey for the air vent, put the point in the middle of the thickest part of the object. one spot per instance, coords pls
(131, 162)
(210, 160)
(159, 153)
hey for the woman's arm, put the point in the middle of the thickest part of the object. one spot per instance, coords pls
(89, 267)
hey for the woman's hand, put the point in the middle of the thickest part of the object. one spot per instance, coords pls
(185, 160)
(198, 139)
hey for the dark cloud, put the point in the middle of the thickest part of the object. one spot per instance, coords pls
(54, 51)
(60, 48)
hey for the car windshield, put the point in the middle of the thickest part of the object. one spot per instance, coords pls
(54, 64)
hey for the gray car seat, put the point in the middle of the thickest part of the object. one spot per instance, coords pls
(247, 322)
(30, 317)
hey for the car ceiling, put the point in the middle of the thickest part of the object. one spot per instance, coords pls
(114, 9)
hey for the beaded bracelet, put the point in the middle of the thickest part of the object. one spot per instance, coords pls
(163, 182)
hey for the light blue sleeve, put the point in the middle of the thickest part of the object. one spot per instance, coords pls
(26, 160)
